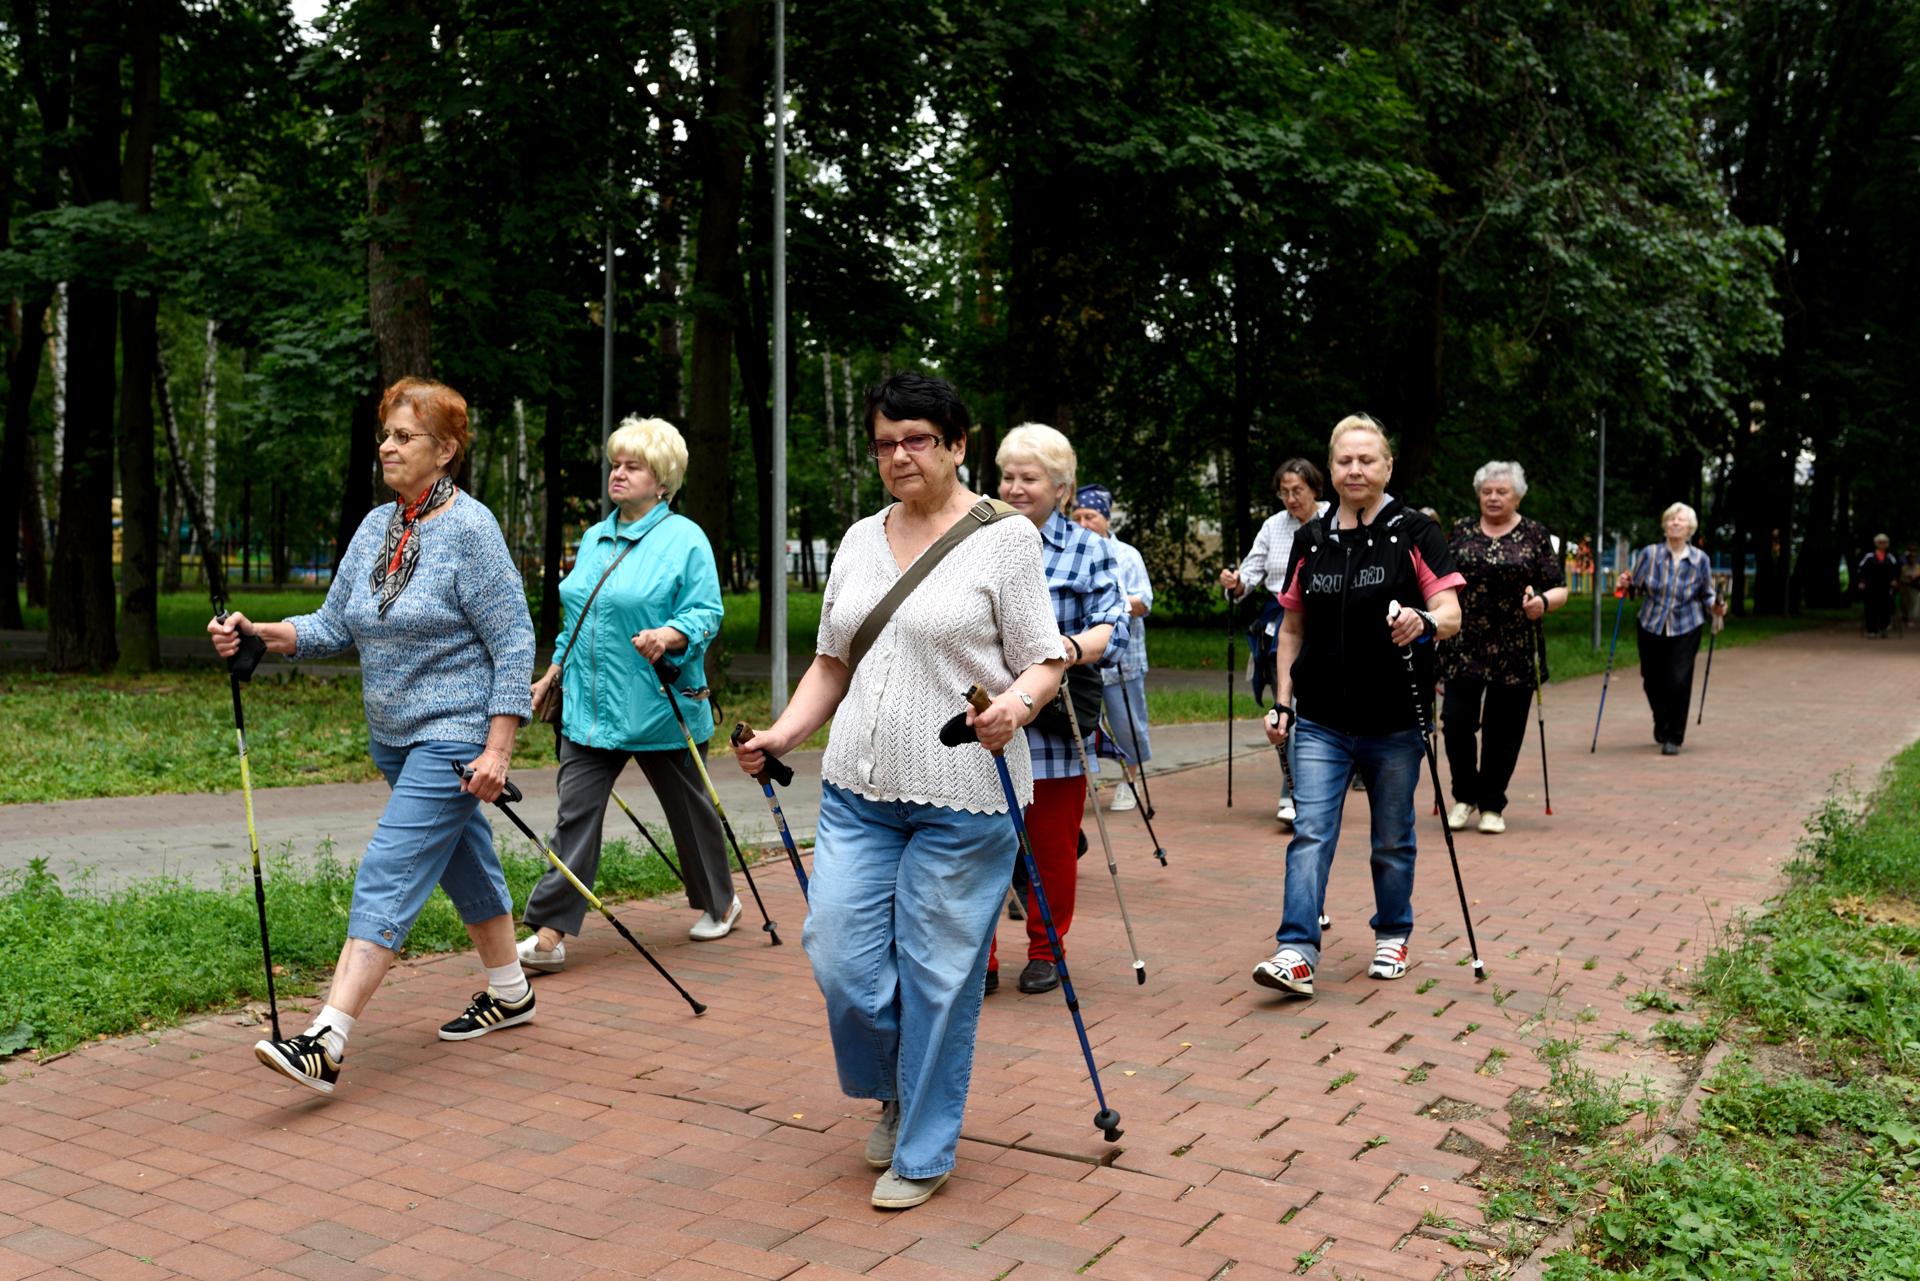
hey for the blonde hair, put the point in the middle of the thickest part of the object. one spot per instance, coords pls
(1359, 422)
(655, 442)
(1693, 518)
(1039, 443)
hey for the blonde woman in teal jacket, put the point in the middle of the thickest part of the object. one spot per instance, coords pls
(660, 598)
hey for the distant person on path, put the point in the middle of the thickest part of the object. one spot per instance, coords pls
(913, 849)
(1674, 581)
(429, 595)
(1910, 585)
(1512, 579)
(1037, 468)
(1875, 578)
(643, 588)
(1359, 709)
(1124, 684)
(1301, 488)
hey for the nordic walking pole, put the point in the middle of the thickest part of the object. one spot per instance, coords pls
(657, 848)
(1100, 822)
(1230, 676)
(239, 671)
(1540, 706)
(1146, 807)
(1433, 767)
(667, 673)
(1620, 592)
(510, 795)
(775, 771)
(1713, 634)
(953, 734)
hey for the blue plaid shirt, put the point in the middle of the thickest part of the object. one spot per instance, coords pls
(1084, 582)
(1674, 597)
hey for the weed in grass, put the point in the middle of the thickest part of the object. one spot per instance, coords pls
(1652, 998)
(1689, 1038)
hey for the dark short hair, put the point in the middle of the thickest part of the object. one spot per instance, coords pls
(1305, 471)
(909, 395)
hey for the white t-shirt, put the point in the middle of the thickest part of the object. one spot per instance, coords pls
(981, 617)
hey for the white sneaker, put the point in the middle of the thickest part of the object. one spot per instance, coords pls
(1457, 816)
(1286, 970)
(1284, 814)
(538, 960)
(707, 928)
(1492, 823)
(1123, 799)
(1389, 959)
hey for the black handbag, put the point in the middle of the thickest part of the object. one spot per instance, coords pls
(1082, 685)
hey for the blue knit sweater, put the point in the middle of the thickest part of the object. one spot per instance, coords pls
(453, 650)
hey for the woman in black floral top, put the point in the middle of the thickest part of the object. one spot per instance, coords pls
(1513, 578)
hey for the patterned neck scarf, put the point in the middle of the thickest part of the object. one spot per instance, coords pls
(400, 552)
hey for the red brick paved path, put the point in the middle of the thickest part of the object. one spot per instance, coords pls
(620, 1136)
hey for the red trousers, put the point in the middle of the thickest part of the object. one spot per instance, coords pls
(1053, 829)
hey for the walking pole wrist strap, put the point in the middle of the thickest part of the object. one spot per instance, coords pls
(983, 513)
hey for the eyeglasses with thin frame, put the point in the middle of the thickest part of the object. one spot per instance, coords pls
(401, 439)
(918, 443)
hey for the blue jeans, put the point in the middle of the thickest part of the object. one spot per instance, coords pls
(1324, 764)
(901, 908)
(1126, 702)
(431, 834)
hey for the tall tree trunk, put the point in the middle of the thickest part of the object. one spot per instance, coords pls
(210, 419)
(198, 510)
(139, 330)
(397, 301)
(17, 515)
(356, 492)
(33, 540)
(671, 244)
(720, 141)
(62, 313)
(553, 457)
(246, 531)
(80, 617)
(170, 540)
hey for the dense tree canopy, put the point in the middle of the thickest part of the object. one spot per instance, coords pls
(1190, 233)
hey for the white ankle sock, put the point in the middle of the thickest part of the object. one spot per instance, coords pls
(509, 981)
(339, 1026)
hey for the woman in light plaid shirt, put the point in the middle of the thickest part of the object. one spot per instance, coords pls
(1037, 469)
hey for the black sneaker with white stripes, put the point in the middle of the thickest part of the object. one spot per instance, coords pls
(488, 1013)
(304, 1058)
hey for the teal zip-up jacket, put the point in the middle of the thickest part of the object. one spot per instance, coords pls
(613, 701)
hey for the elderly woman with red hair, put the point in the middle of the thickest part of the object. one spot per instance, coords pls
(429, 596)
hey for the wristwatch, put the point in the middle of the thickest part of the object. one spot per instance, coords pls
(1024, 697)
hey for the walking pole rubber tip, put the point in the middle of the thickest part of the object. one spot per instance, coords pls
(1107, 1121)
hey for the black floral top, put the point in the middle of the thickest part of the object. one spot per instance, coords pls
(1496, 638)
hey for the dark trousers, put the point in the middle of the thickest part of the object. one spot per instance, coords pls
(1666, 673)
(1879, 608)
(1493, 718)
(586, 780)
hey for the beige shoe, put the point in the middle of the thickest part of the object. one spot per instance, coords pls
(897, 1192)
(1457, 816)
(708, 928)
(1491, 823)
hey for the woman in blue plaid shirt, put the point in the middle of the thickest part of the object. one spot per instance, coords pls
(1037, 469)
(1674, 581)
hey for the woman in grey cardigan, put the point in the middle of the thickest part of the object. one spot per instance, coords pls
(429, 596)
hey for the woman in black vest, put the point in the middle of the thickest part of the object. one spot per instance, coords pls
(1361, 711)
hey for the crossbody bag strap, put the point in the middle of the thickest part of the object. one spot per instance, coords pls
(978, 517)
(585, 609)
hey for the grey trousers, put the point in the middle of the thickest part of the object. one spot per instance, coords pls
(586, 780)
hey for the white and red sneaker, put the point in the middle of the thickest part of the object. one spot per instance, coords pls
(1287, 971)
(1389, 959)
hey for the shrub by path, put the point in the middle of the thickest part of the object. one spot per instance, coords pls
(619, 1136)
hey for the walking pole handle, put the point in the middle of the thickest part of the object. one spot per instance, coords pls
(774, 769)
(252, 649)
(508, 792)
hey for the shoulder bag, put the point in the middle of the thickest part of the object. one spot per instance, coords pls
(549, 709)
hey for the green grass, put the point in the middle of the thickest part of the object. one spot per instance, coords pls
(82, 962)
(1806, 1161)
(186, 613)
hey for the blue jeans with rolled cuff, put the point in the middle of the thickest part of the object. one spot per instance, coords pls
(901, 909)
(1121, 698)
(1325, 761)
(432, 833)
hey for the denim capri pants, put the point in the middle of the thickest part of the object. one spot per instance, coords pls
(431, 834)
